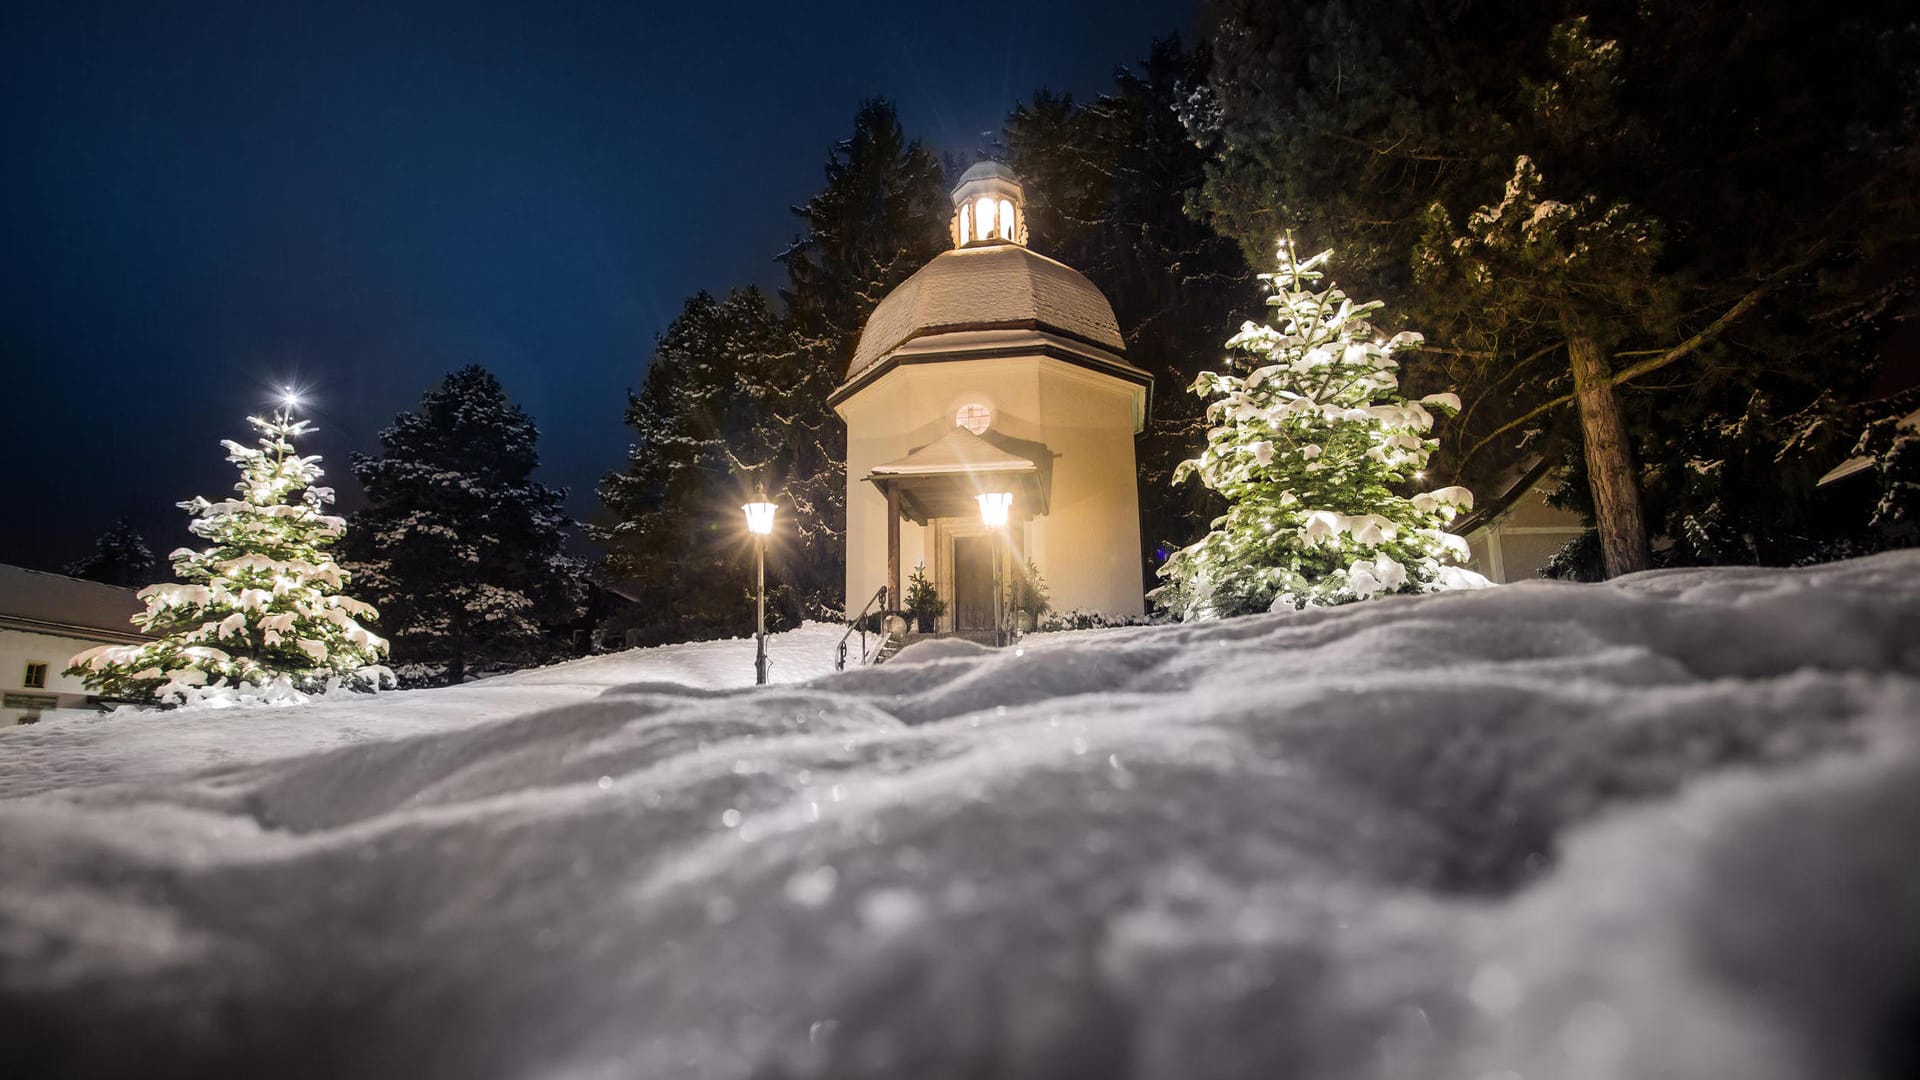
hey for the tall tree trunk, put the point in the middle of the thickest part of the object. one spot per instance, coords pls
(457, 664)
(1616, 494)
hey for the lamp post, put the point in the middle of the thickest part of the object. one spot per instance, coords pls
(993, 514)
(760, 523)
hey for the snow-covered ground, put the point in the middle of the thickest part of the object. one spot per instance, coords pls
(72, 748)
(1664, 827)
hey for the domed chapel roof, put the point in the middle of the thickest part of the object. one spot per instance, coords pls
(989, 281)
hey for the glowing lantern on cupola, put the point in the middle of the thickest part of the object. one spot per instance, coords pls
(990, 207)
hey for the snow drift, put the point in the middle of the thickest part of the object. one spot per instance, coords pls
(1660, 828)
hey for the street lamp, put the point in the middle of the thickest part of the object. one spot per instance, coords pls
(760, 523)
(993, 514)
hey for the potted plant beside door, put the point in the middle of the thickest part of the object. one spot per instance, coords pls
(925, 604)
(1029, 597)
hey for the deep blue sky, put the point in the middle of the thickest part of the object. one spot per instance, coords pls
(203, 201)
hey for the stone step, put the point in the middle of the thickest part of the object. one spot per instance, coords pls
(979, 637)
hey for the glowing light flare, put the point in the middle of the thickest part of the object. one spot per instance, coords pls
(759, 517)
(1006, 219)
(993, 507)
(983, 216)
(966, 223)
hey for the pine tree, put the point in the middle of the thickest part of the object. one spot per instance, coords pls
(881, 216)
(462, 549)
(259, 611)
(735, 399)
(1776, 226)
(702, 440)
(1107, 184)
(120, 557)
(1310, 448)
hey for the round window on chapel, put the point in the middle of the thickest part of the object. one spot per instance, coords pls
(974, 418)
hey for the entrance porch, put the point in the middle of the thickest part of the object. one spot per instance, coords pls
(940, 487)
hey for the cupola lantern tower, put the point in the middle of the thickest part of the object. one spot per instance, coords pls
(989, 207)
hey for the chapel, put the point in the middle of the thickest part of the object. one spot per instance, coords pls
(991, 414)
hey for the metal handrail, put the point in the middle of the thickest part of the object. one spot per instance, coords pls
(859, 623)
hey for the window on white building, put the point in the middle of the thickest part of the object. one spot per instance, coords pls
(974, 417)
(36, 677)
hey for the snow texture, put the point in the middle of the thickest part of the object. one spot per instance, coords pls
(1002, 285)
(1657, 828)
(76, 748)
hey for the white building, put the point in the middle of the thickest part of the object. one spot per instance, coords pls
(1513, 534)
(993, 371)
(44, 620)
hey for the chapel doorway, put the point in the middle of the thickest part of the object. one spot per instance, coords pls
(973, 583)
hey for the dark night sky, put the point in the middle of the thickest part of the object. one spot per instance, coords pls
(203, 201)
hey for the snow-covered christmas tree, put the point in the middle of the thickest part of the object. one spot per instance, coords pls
(1311, 448)
(258, 613)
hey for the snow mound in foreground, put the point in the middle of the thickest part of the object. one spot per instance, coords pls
(1660, 828)
(75, 749)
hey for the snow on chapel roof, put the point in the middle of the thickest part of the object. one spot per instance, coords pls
(981, 288)
(989, 281)
(987, 170)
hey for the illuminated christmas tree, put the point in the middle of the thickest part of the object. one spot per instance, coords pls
(259, 612)
(1311, 448)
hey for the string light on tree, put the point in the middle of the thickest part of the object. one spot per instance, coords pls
(1310, 447)
(260, 611)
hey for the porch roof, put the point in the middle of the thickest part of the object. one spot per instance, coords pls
(941, 478)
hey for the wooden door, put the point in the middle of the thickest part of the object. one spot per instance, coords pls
(973, 583)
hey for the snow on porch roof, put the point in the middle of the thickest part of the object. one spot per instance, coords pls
(941, 478)
(958, 451)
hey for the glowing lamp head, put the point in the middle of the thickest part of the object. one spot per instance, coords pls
(760, 516)
(993, 507)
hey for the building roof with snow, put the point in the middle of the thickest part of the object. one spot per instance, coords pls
(998, 287)
(991, 282)
(55, 604)
(986, 170)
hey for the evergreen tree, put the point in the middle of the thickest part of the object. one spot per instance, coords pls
(881, 216)
(459, 545)
(735, 399)
(1107, 186)
(120, 557)
(1310, 448)
(260, 609)
(1588, 205)
(675, 533)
